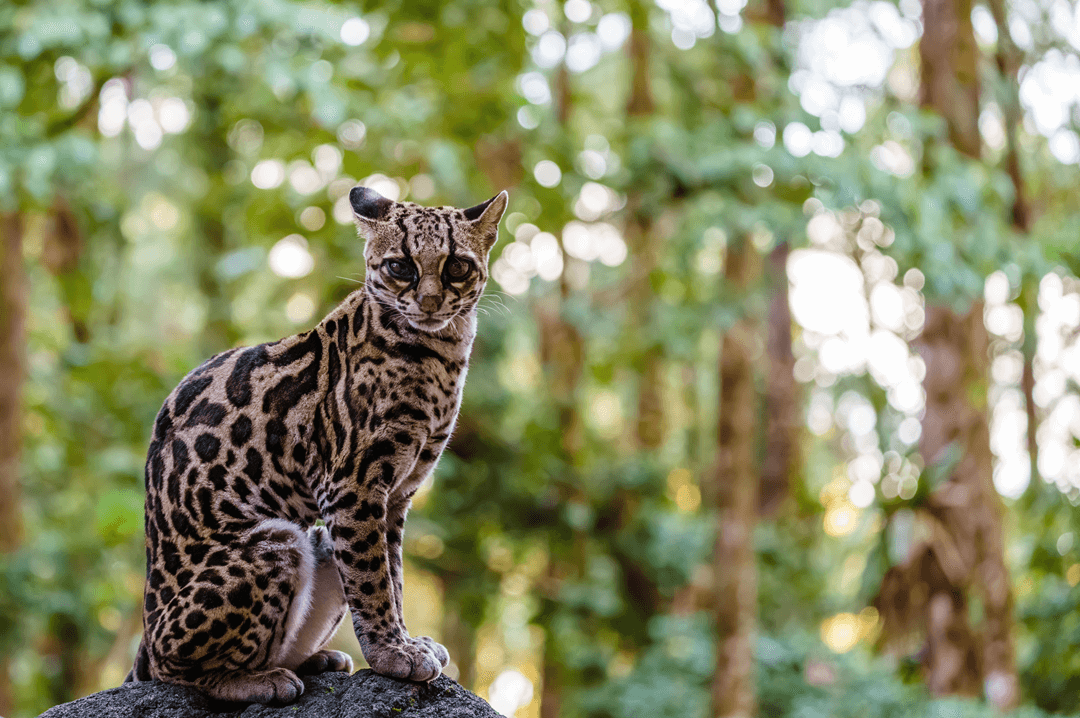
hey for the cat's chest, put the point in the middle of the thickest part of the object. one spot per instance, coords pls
(426, 391)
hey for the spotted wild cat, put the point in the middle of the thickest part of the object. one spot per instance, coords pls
(341, 423)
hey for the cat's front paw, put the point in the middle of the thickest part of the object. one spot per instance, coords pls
(407, 660)
(436, 649)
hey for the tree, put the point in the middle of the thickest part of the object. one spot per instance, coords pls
(967, 552)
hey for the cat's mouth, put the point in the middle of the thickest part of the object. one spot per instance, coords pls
(428, 324)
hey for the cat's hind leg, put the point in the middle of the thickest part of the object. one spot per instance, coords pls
(305, 652)
(223, 631)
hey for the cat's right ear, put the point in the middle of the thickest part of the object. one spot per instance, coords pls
(368, 205)
(485, 218)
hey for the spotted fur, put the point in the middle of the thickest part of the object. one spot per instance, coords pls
(341, 423)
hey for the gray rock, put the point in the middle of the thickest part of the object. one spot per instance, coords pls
(364, 694)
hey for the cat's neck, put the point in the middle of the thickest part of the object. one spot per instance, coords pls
(362, 313)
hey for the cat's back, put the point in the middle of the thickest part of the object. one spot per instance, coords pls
(234, 423)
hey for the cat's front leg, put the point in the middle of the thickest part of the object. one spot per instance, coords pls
(396, 512)
(357, 512)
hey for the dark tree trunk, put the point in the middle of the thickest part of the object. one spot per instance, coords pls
(950, 71)
(212, 128)
(740, 488)
(12, 348)
(460, 638)
(62, 251)
(1009, 59)
(734, 492)
(562, 353)
(968, 507)
(782, 420)
(954, 348)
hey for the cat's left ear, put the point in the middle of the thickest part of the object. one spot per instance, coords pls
(368, 205)
(485, 218)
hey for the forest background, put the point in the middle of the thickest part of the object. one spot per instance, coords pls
(774, 408)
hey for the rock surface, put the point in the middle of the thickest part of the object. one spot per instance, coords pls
(364, 694)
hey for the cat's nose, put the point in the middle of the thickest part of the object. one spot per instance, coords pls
(429, 303)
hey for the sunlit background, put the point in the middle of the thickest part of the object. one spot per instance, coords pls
(174, 181)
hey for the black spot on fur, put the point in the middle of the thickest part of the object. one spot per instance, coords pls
(240, 597)
(180, 456)
(195, 619)
(216, 474)
(238, 385)
(240, 431)
(207, 447)
(275, 437)
(254, 468)
(218, 558)
(189, 391)
(217, 629)
(163, 423)
(229, 509)
(206, 413)
(208, 598)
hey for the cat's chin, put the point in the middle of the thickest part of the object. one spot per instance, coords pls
(429, 326)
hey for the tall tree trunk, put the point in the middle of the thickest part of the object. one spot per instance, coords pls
(562, 353)
(12, 347)
(639, 233)
(734, 492)
(649, 430)
(1008, 59)
(460, 638)
(969, 509)
(950, 71)
(739, 487)
(211, 126)
(954, 347)
(63, 249)
(782, 419)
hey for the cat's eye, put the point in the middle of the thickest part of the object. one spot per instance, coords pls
(398, 269)
(457, 269)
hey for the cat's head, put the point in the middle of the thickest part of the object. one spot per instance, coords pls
(429, 264)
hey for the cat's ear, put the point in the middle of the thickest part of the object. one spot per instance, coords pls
(368, 205)
(485, 218)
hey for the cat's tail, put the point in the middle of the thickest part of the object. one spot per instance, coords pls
(141, 670)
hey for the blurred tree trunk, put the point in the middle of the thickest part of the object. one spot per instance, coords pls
(63, 643)
(740, 488)
(460, 638)
(950, 71)
(63, 248)
(649, 427)
(13, 302)
(782, 420)
(639, 234)
(970, 549)
(734, 492)
(12, 347)
(562, 353)
(1008, 59)
(212, 129)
